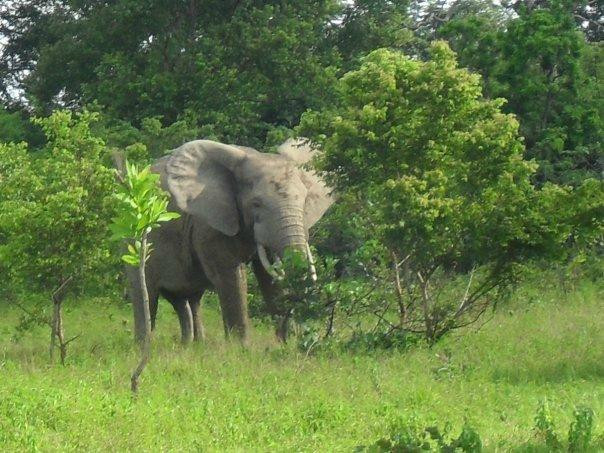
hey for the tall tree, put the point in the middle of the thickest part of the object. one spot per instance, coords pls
(535, 55)
(542, 76)
(365, 25)
(244, 66)
(588, 14)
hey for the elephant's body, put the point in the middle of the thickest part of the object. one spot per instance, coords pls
(234, 203)
(175, 271)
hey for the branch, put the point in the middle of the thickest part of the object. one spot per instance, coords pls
(59, 294)
(119, 161)
(587, 19)
(464, 300)
(33, 315)
(71, 339)
(382, 319)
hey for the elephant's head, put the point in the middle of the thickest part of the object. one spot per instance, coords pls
(236, 189)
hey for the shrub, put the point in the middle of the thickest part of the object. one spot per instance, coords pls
(55, 207)
(441, 176)
(411, 437)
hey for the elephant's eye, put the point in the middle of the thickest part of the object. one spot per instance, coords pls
(256, 203)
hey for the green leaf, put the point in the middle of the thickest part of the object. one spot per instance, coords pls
(168, 216)
(132, 260)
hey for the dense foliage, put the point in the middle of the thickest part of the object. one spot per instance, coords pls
(144, 59)
(245, 71)
(55, 205)
(441, 173)
(552, 78)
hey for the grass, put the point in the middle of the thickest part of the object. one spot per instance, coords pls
(218, 397)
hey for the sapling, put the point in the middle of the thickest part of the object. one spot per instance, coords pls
(143, 205)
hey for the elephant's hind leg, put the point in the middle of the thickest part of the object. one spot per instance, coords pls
(199, 333)
(185, 317)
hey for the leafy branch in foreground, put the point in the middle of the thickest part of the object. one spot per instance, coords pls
(143, 205)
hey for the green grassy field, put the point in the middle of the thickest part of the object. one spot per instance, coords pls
(217, 397)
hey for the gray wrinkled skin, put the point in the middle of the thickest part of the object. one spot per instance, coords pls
(232, 199)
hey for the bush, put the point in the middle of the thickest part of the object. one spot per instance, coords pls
(440, 174)
(56, 206)
(411, 437)
(580, 433)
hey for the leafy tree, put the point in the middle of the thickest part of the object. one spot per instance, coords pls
(54, 210)
(442, 173)
(16, 127)
(542, 78)
(143, 205)
(152, 139)
(12, 127)
(535, 56)
(244, 67)
(474, 33)
(586, 13)
(369, 24)
(55, 207)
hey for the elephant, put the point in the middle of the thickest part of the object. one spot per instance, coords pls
(237, 206)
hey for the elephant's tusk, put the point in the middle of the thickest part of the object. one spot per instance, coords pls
(311, 264)
(265, 263)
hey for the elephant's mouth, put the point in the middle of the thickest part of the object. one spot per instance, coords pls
(263, 255)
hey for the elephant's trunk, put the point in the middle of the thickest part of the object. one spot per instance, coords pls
(293, 236)
(289, 235)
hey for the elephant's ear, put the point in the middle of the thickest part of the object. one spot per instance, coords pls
(298, 150)
(319, 197)
(199, 177)
(159, 166)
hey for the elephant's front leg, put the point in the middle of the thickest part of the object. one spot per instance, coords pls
(232, 293)
(227, 274)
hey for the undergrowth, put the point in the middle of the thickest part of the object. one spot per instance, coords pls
(529, 380)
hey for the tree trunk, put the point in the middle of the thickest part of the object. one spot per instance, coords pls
(146, 340)
(56, 324)
(330, 321)
(53, 330)
(136, 298)
(428, 321)
(402, 309)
